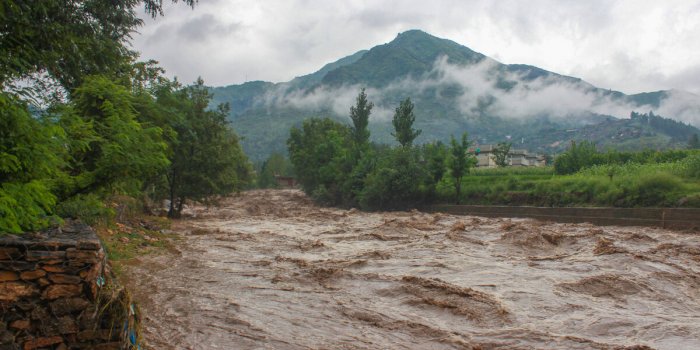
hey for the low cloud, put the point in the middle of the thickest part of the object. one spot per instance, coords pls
(682, 106)
(337, 99)
(550, 95)
(484, 89)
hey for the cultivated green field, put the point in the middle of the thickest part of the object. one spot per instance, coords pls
(632, 184)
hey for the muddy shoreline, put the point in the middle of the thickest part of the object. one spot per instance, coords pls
(269, 270)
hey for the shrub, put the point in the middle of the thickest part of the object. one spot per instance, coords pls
(88, 208)
(577, 157)
(395, 183)
(652, 190)
(692, 167)
(25, 206)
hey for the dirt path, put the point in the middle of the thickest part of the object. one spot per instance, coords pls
(269, 270)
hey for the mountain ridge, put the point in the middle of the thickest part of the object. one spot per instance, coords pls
(454, 89)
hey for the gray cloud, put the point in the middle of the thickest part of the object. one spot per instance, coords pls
(550, 96)
(206, 27)
(681, 105)
(628, 45)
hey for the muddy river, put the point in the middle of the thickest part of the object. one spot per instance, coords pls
(269, 270)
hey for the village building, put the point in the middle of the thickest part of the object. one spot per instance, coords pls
(285, 181)
(516, 157)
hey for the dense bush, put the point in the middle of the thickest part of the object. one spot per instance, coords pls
(90, 208)
(651, 190)
(276, 164)
(31, 156)
(578, 156)
(396, 182)
(583, 155)
(320, 151)
(692, 167)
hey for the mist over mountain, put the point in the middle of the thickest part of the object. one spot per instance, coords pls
(456, 89)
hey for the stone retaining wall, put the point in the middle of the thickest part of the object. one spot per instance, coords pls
(51, 287)
(674, 218)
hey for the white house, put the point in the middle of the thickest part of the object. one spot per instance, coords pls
(516, 157)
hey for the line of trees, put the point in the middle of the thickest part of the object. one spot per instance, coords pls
(337, 164)
(584, 154)
(81, 120)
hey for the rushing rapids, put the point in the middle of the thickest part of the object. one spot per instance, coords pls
(270, 270)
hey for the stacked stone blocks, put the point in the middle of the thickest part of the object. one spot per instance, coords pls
(49, 291)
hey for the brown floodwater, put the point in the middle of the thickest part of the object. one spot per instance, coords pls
(270, 270)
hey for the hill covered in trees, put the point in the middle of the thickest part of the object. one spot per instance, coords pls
(452, 88)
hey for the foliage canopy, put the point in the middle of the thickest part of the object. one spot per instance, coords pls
(403, 124)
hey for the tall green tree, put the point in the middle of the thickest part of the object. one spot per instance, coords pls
(403, 124)
(500, 153)
(207, 160)
(359, 113)
(69, 40)
(435, 156)
(117, 152)
(459, 163)
(95, 140)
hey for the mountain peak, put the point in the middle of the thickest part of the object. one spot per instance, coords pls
(412, 52)
(414, 33)
(541, 109)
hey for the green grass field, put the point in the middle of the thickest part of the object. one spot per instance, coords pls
(670, 184)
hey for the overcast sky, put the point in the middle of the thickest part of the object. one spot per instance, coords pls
(631, 46)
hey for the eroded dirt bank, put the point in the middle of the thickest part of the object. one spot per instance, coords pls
(269, 270)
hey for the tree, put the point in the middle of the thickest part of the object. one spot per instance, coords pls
(206, 160)
(69, 40)
(319, 151)
(578, 156)
(435, 156)
(403, 124)
(460, 162)
(31, 155)
(395, 183)
(359, 113)
(111, 152)
(694, 142)
(276, 164)
(500, 153)
(92, 143)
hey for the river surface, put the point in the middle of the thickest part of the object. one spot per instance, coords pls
(270, 270)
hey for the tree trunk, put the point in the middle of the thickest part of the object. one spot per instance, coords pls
(458, 189)
(180, 203)
(171, 210)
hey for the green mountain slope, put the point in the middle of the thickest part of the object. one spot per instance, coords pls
(411, 53)
(454, 89)
(309, 80)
